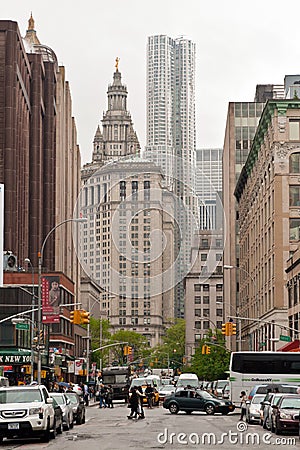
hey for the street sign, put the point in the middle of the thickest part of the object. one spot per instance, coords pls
(22, 326)
(282, 337)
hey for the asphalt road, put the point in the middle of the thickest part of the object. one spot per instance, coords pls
(109, 429)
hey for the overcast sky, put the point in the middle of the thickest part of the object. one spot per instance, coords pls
(238, 44)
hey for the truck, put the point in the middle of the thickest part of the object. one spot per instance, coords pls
(118, 377)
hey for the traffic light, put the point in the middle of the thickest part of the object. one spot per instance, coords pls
(84, 317)
(205, 349)
(229, 328)
(75, 316)
(224, 329)
(125, 351)
(233, 329)
(129, 349)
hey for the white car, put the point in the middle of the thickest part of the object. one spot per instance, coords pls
(253, 408)
(165, 390)
(26, 411)
(65, 404)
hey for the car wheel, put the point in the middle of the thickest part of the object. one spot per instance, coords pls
(46, 435)
(79, 419)
(66, 426)
(54, 430)
(209, 409)
(59, 429)
(173, 408)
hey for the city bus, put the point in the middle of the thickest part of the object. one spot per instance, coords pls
(119, 379)
(248, 369)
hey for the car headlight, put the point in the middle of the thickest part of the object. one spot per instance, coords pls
(284, 415)
(33, 411)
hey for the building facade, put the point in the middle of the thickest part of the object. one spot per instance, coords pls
(204, 301)
(268, 195)
(40, 166)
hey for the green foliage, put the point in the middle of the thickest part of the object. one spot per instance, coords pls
(135, 340)
(212, 366)
(173, 348)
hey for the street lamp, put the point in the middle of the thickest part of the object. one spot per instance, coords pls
(40, 262)
(27, 260)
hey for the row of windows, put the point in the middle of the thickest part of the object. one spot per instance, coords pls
(206, 287)
(135, 321)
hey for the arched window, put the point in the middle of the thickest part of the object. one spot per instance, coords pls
(295, 163)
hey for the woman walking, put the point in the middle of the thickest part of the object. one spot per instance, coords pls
(243, 398)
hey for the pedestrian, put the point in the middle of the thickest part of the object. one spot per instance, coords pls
(110, 396)
(102, 396)
(243, 398)
(134, 402)
(149, 392)
(140, 408)
(86, 394)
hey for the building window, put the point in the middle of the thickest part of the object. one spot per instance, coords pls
(198, 312)
(206, 287)
(219, 287)
(220, 312)
(295, 163)
(197, 287)
(294, 195)
(294, 130)
(197, 300)
(198, 324)
(206, 300)
(203, 256)
(294, 229)
(204, 243)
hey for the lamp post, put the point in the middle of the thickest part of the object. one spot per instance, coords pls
(27, 260)
(40, 262)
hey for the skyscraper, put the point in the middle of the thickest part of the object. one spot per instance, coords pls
(171, 131)
(127, 242)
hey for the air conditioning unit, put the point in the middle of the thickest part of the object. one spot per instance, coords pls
(10, 262)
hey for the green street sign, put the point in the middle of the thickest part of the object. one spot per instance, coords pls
(22, 326)
(285, 338)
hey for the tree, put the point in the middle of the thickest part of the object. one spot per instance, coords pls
(172, 350)
(214, 365)
(136, 341)
(97, 328)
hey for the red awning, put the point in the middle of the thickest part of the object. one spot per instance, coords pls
(291, 347)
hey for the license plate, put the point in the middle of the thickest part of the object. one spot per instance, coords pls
(13, 426)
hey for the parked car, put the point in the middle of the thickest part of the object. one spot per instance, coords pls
(166, 390)
(219, 387)
(26, 411)
(279, 388)
(253, 408)
(64, 402)
(190, 400)
(285, 415)
(78, 407)
(266, 409)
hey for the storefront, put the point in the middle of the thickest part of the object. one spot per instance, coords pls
(15, 364)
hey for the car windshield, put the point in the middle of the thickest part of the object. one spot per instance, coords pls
(168, 388)
(21, 396)
(205, 394)
(140, 382)
(290, 403)
(257, 399)
(60, 399)
(222, 384)
(73, 399)
(188, 382)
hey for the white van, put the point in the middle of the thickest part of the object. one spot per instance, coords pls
(188, 379)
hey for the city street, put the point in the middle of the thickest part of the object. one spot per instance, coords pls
(109, 429)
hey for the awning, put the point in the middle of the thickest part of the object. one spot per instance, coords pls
(14, 356)
(291, 346)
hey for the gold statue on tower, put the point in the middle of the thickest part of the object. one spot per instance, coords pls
(117, 64)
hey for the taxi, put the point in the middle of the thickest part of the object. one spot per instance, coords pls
(143, 381)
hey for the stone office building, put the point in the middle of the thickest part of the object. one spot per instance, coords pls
(268, 193)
